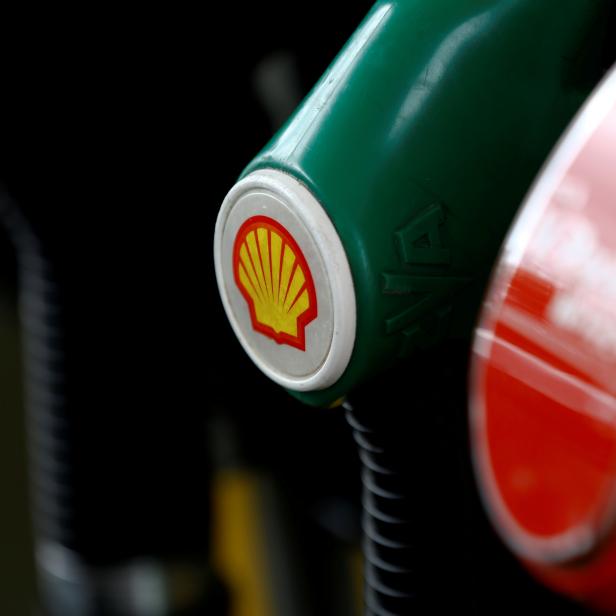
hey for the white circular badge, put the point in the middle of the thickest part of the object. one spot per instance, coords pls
(285, 281)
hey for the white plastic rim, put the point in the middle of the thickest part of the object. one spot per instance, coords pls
(330, 336)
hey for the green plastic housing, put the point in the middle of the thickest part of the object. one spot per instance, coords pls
(420, 142)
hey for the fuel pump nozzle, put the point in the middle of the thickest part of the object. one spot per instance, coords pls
(363, 233)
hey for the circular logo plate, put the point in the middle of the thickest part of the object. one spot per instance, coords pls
(285, 281)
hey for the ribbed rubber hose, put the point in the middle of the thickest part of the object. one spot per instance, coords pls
(44, 365)
(390, 574)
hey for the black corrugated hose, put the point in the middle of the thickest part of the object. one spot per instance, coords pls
(418, 502)
(45, 369)
(390, 577)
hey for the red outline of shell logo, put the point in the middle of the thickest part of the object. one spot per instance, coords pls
(272, 274)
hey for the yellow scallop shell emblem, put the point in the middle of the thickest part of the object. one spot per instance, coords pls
(273, 276)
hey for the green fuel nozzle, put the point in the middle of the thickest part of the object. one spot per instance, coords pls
(366, 228)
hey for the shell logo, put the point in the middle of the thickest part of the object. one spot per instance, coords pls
(272, 274)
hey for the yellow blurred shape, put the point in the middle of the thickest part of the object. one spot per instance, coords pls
(238, 546)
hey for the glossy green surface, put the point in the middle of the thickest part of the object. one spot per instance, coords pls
(421, 140)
